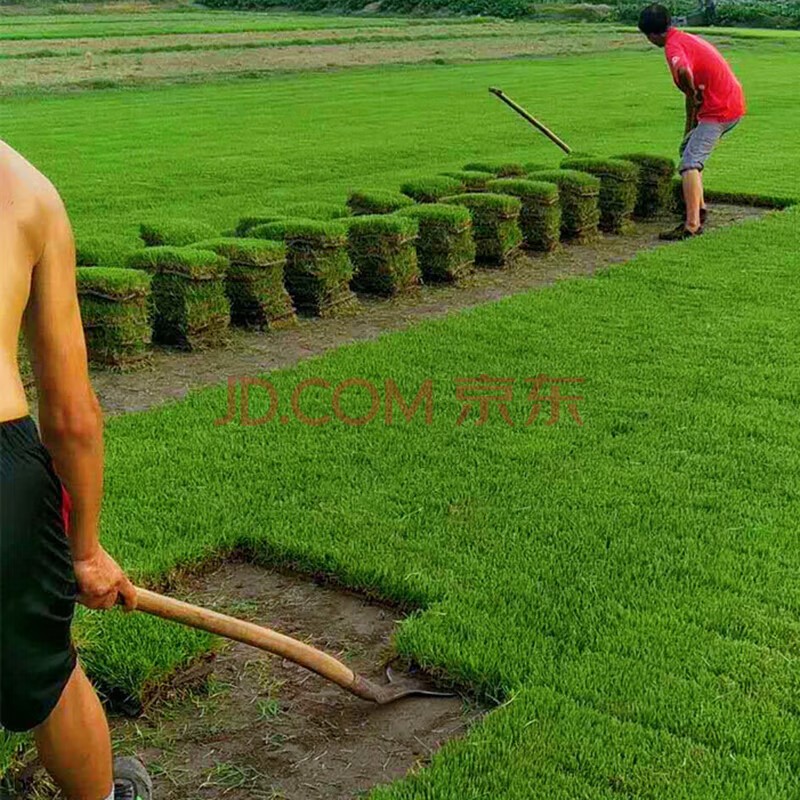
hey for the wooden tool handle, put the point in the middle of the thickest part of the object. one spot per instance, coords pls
(247, 632)
(533, 121)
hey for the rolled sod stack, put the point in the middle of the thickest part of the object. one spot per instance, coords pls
(431, 189)
(654, 191)
(618, 189)
(318, 269)
(445, 246)
(254, 281)
(102, 251)
(377, 201)
(540, 217)
(471, 180)
(262, 216)
(383, 254)
(191, 308)
(579, 195)
(316, 210)
(115, 309)
(495, 225)
(174, 232)
(500, 169)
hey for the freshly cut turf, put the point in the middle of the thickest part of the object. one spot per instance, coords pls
(430, 189)
(377, 201)
(618, 189)
(254, 281)
(495, 225)
(255, 218)
(115, 311)
(500, 169)
(382, 252)
(471, 180)
(540, 216)
(102, 251)
(191, 309)
(174, 232)
(316, 210)
(579, 195)
(445, 245)
(654, 195)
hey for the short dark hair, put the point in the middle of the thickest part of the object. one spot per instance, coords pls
(654, 19)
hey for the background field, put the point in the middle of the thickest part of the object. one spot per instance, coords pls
(628, 589)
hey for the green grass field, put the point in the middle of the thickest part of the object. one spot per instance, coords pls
(627, 588)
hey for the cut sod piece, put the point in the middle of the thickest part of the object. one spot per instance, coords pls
(102, 251)
(579, 195)
(317, 210)
(254, 281)
(495, 225)
(540, 217)
(115, 310)
(471, 180)
(191, 309)
(618, 189)
(382, 253)
(654, 194)
(258, 217)
(500, 169)
(174, 232)
(377, 201)
(445, 247)
(318, 269)
(430, 189)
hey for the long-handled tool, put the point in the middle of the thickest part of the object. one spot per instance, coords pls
(278, 644)
(533, 121)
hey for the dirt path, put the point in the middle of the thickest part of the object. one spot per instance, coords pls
(172, 373)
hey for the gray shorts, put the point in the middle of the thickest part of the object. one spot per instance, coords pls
(697, 145)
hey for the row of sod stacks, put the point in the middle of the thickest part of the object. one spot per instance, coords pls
(254, 219)
(618, 189)
(654, 195)
(431, 189)
(540, 217)
(500, 169)
(174, 232)
(254, 281)
(191, 308)
(445, 246)
(495, 225)
(377, 201)
(579, 194)
(102, 251)
(382, 253)
(115, 309)
(471, 180)
(318, 268)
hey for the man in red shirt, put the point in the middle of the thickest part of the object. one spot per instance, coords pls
(714, 105)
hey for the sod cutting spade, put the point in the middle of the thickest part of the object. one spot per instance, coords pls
(279, 644)
(533, 121)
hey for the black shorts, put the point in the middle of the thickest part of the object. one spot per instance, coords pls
(37, 581)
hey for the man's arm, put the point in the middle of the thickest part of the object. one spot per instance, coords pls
(694, 97)
(70, 418)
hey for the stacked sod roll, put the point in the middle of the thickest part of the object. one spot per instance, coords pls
(316, 210)
(654, 195)
(445, 247)
(377, 201)
(500, 169)
(254, 281)
(495, 225)
(431, 189)
(471, 180)
(540, 216)
(618, 189)
(174, 232)
(579, 195)
(191, 308)
(383, 254)
(318, 269)
(102, 251)
(115, 310)
(253, 219)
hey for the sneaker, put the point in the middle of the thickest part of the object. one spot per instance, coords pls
(679, 234)
(131, 781)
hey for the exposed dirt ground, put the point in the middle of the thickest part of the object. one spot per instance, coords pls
(269, 729)
(172, 373)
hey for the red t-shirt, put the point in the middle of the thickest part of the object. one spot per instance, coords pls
(723, 98)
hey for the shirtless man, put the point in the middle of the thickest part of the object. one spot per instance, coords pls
(50, 496)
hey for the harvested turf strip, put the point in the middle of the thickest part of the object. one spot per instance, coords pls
(318, 269)
(175, 232)
(540, 216)
(495, 225)
(445, 247)
(382, 253)
(254, 218)
(377, 201)
(191, 309)
(500, 169)
(254, 281)
(317, 210)
(102, 251)
(430, 189)
(618, 189)
(115, 310)
(532, 167)
(471, 180)
(579, 195)
(654, 192)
